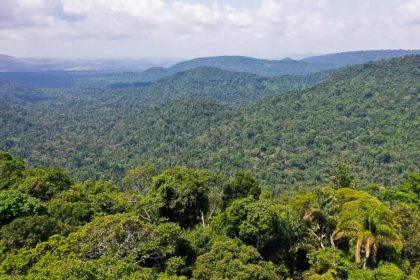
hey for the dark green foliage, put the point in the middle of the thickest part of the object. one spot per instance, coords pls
(366, 114)
(183, 195)
(290, 66)
(343, 178)
(11, 170)
(242, 186)
(44, 184)
(235, 88)
(29, 231)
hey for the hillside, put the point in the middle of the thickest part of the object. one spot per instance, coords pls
(253, 65)
(351, 58)
(266, 67)
(235, 88)
(366, 114)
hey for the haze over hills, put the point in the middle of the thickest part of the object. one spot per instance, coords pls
(148, 71)
(366, 113)
(337, 60)
(265, 67)
(12, 64)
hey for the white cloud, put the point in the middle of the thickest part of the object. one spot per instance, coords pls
(410, 12)
(75, 7)
(185, 28)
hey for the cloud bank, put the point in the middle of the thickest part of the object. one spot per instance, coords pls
(156, 28)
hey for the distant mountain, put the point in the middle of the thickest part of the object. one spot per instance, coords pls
(14, 92)
(359, 57)
(12, 64)
(286, 66)
(252, 65)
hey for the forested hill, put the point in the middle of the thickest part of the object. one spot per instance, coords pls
(17, 93)
(252, 65)
(351, 58)
(276, 67)
(366, 114)
(235, 88)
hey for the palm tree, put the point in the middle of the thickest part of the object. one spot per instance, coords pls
(371, 224)
(321, 217)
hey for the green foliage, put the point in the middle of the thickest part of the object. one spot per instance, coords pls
(235, 88)
(285, 141)
(14, 204)
(183, 195)
(186, 223)
(389, 271)
(44, 184)
(140, 178)
(125, 236)
(103, 268)
(369, 223)
(330, 262)
(95, 231)
(27, 232)
(11, 170)
(409, 219)
(319, 209)
(227, 260)
(343, 179)
(242, 186)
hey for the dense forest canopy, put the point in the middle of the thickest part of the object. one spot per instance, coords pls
(188, 224)
(366, 114)
(206, 173)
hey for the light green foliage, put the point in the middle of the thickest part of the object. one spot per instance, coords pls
(415, 273)
(14, 204)
(328, 262)
(226, 260)
(361, 274)
(368, 222)
(389, 271)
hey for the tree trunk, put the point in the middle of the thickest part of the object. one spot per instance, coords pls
(358, 257)
(332, 241)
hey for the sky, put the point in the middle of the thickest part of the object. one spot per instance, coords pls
(192, 28)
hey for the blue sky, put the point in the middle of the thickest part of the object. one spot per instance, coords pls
(191, 28)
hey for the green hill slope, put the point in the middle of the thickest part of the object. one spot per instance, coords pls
(235, 88)
(266, 67)
(351, 58)
(366, 114)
